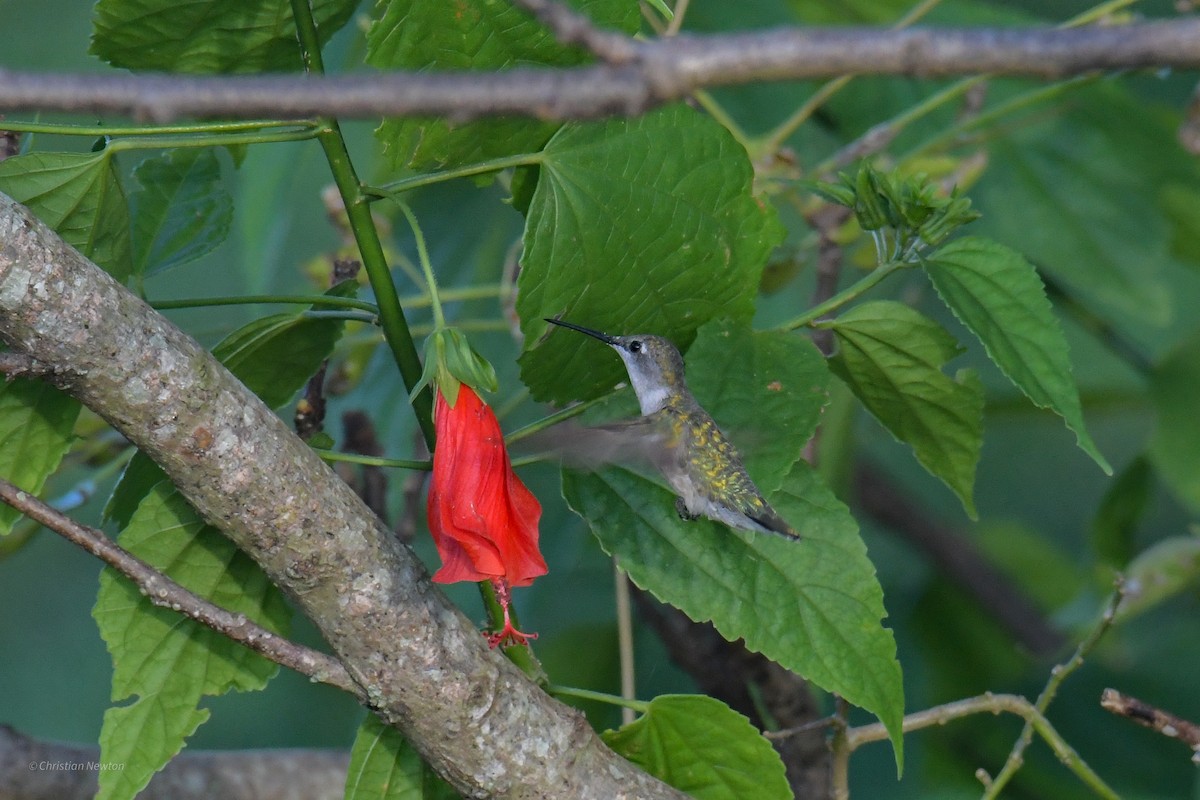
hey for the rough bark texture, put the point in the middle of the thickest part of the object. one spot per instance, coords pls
(427, 670)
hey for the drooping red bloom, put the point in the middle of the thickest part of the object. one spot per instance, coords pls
(483, 519)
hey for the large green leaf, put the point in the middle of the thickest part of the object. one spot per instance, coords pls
(480, 35)
(996, 293)
(891, 357)
(36, 421)
(383, 766)
(167, 661)
(636, 226)
(210, 36)
(1174, 387)
(181, 211)
(704, 748)
(273, 356)
(813, 606)
(79, 196)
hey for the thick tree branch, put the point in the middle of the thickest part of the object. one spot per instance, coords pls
(162, 591)
(424, 667)
(32, 769)
(638, 76)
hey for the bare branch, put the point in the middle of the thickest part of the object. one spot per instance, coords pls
(164, 592)
(649, 73)
(422, 663)
(34, 769)
(571, 27)
(1154, 718)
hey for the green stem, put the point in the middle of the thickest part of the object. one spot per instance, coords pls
(288, 299)
(215, 140)
(345, 316)
(845, 296)
(426, 179)
(718, 113)
(641, 706)
(454, 295)
(465, 325)
(435, 303)
(391, 313)
(65, 129)
(552, 419)
(366, 236)
(373, 461)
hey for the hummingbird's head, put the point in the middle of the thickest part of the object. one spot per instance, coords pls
(654, 365)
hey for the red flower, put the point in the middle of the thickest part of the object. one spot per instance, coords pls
(483, 519)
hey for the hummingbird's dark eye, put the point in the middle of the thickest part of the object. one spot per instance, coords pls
(635, 346)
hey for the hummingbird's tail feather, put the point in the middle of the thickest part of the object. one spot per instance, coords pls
(773, 523)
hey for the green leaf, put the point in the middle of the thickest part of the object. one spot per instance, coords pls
(813, 606)
(182, 210)
(140, 475)
(1159, 573)
(169, 662)
(36, 421)
(211, 36)
(480, 35)
(646, 225)
(1121, 508)
(383, 766)
(276, 355)
(703, 748)
(1079, 190)
(1174, 387)
(891, 357)
(79, 196)
(273, 356)
(996, 293)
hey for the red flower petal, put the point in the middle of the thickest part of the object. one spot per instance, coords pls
(483, 519)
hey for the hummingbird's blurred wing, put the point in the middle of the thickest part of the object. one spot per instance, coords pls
(637, 442)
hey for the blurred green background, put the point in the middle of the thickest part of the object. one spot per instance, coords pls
(1036, 492)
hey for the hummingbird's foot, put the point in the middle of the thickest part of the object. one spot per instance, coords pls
(682, 510)
(508, 635)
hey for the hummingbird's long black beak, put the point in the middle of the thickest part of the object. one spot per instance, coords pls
(604, 337)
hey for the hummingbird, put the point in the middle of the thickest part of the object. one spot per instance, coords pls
(700, 464)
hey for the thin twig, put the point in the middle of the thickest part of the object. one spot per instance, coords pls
(164, 592)
(1057, 675)
(1154, 718)
(624, 611)
(676, 23)
(994, 704)
(841, 748)
(571, 27)
(663, 70)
